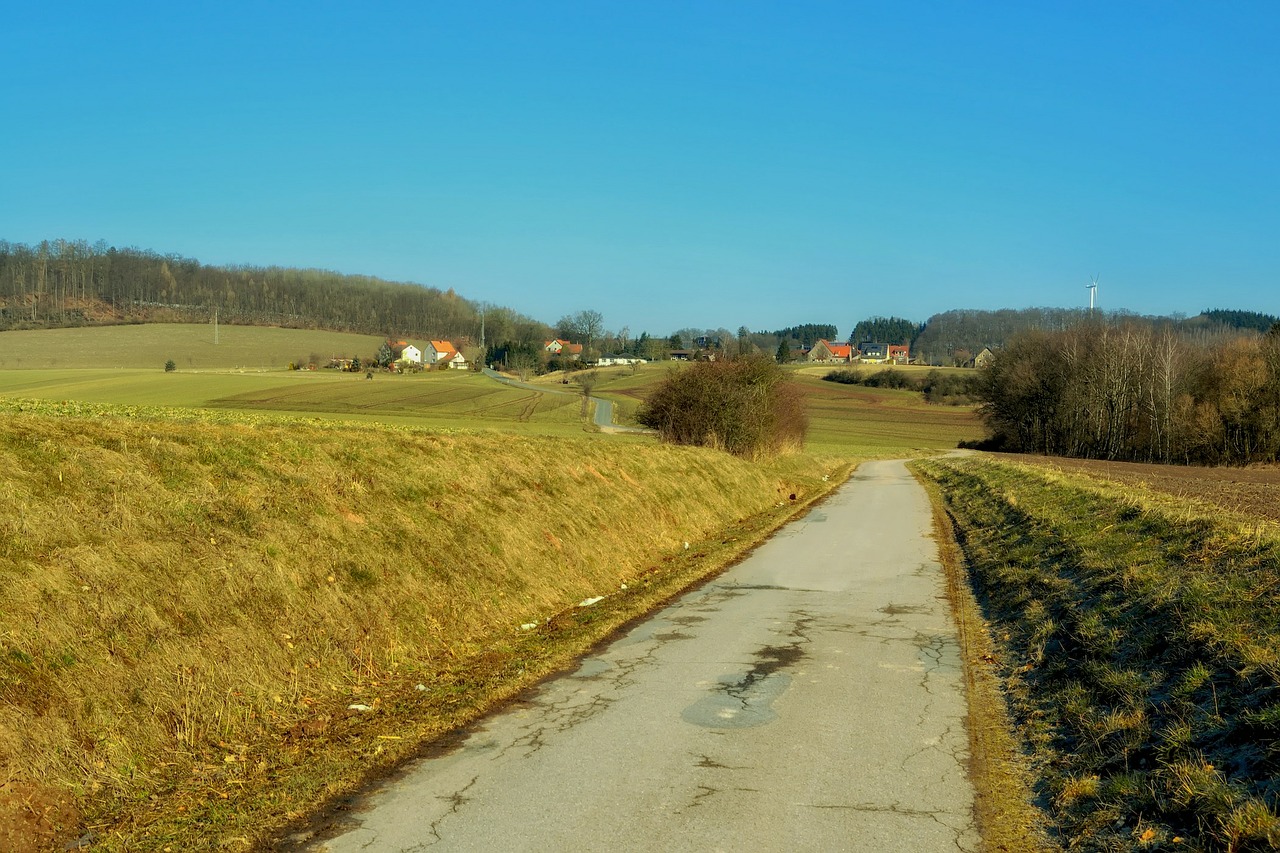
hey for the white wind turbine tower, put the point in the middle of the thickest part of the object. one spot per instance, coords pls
(1093, 292)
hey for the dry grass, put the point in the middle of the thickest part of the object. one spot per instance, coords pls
(189, 608)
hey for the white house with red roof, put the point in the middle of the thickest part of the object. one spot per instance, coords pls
(405, 353)
(563, 347)
(440, 351)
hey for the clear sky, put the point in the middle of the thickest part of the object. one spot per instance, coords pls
(669, 164)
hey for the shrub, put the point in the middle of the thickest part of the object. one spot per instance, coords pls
(890, 378)
(952, 388)
(169, 366)
(845, 376)
(743, 405)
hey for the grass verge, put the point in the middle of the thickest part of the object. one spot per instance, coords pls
(1006, 817)
(1140, 648)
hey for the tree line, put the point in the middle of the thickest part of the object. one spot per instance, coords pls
(71, 283)
(1136, 391)
(955, 337)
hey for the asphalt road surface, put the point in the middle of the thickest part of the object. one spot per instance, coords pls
(808, 699)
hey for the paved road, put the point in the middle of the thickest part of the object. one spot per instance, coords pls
(808, 699)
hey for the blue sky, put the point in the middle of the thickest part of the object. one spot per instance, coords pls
(670, 165)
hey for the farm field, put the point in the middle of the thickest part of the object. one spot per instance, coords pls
(879, 422)
(245, 372)
(846, 419)
(190, 346)
(1247, 493)
(445, 400)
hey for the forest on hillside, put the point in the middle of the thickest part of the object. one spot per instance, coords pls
(73, 283)
(1140, 392)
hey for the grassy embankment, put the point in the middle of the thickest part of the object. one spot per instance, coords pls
(190, 606)
(1139, 642)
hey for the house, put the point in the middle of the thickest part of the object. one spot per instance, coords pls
(899, 353)
(873, 353)
(403, 352)
(438, 351)
(824, 351)
(983, 358)
(457, 361)
(681, 355)
(609, 359)
(562, 347)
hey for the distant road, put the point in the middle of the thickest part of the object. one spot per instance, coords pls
(604, 408)
(808, 699)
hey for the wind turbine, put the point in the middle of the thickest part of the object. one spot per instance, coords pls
(1093, 291)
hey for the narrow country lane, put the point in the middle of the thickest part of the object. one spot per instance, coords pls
(808, 699)
(603, 407)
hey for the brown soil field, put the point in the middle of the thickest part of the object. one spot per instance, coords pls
(1252, 492)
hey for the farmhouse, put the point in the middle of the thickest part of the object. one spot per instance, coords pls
(826, 352)
(899, 353)
(438, 351)
(983, 358)
(563, 347)
(404, 353)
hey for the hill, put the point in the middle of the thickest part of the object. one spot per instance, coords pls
(73, 283)
(190, 346)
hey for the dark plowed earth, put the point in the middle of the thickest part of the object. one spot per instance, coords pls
(1253, 491)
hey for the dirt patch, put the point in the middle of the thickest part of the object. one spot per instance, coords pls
(35, 818)
(1250, 492)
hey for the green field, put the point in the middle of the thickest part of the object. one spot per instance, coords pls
(189, 346)
(245, 372)
(845, 419)
(444, 400)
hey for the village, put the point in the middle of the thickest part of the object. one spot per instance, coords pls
(398, 356)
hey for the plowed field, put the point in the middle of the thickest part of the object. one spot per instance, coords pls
(1248, 492)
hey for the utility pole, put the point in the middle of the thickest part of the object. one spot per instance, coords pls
(215, 327)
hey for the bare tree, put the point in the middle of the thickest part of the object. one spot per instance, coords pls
(584, 327)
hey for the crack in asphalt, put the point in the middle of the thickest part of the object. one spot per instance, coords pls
(705, 760)
(751, 695)
(456, 801)
(936, 815)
